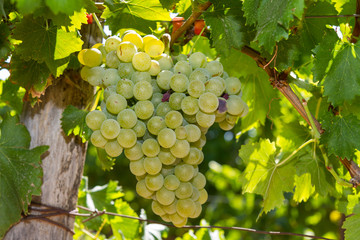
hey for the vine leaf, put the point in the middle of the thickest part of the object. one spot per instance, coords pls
(273, 18)
(124, 228)
(342, 82)
(264, 175)
(351, 225)
(73, 121)
(20, 172)
(66, 6)
(342, 135)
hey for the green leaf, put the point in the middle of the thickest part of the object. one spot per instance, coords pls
(250, 9)
(273, 19)
(168, 4)
(107, 162)
(20, 172)
(151, 10)
(265, 175)
(73, 121)
(342, 82)
(43, 43)
(11, 95)
(27, 6)
(323, 54)
(27, 73)
(227, 29)
(342, 135)
(124, 227)
(4, 41)
(66, 6)
(351, 226)
(303, 189)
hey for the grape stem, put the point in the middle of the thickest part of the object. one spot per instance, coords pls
(189, 22)
(197, 39)
(99, 25)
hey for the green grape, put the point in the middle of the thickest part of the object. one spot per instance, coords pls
(97, 139)
(127, 138)
(155, 87)
(166, 157)
(224, 125)
(205, 120)
(125, 88)
(134, 153)
(154, 48)
(215, 68)
(177, 220)
(142, 189)
(215, 85)
(200, 74)
(110, 128)
(184, 190)
(166, 137)
(199, 143)
(156, 99)
(196, 168)
(208, 102)
(196, 88)
(171, 182)
(85, 73)
(94, 119)
(197, 60)
(141, 61)
(113, 149)
(203, 196)
(245, 111)
(112, 43)
(95, 75)
(183, 67)
(154, 182)
(198, 210)
(199, 181)
(109, 91)
(157, 208)
(189, 105)
(190, 118)
(152, 165)
(142, 90)
(154, 68)
(116, 103)
(127, 118)
(110, 77)
(184, 172)
(193, 133)
(170, 209)
(125, 70)
(162, 109)
(92, 57)
(180, 149)
(179, 82)
(219, 117)
(155, 125)
(167, 170)
(233, 85)
(147, 38)
(165, 218)
(112, 60)
(134, 38)
(140, 76)
(185, 207)
(150, 147)
(139, 128)
(107, 114)
(231, 119)
(165, 62)
(194, 156)
(163, 79)
(181, 57)
(173, 119)
(235, 105)
(165, 196)
(126, 51)
(137, 167)
(141, 177)
(175, 100)
(144, 109)
(181, 133)
(195, 195)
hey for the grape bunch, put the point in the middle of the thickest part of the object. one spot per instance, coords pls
(158, 113)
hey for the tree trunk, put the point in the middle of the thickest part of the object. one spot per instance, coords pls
(63, 163)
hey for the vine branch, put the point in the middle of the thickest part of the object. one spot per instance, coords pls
(195, 14)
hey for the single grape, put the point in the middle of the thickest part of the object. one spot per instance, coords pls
(180, 149)
(116, 103)
(194, 157)
(162, 109)
(170, 209)
(141, 61)
(125, 70)
(165, 62)
(112, 43)
(92, 57)
(110, 128)
(94, 119)
(190, 105)
(208, 102)
(134, 38)
(171, 182)
(147, 38)
(154, 48)
(137, 167)
(198, 210)
(184, 172)
(95, 75)
(173, 119)
(179, 82)
(215, 68)
(166, 137)
(134, 153)
(190, 118)
(193, 133)
(154, 68)
(183, 67)
(152, 165)
(180, 133)
(235, 105)
(142, 189)
(110, 77)
(125, 88)
(154, 182)
(156, 99)
(196, 88)
(112, 60)
(200, 74)
(155, 125)
(199, 181)
(126, 51)
(197, 60)
(97, 139)
(224, 125)
(155, 87)
(144, 109)
(150, 147)
(127, 118)
(195, 195)
(233, 85)
(184, 190)
(215, 85)
(127, 138)
(157, 208)
(142, 90)
(110, 90)
(163, 79)
(205, 120)
(175, 100)
(166, 157)
(177, 220)
(231, 119)
(203, 196)
(181, 57)
(165, 196)
(139, 128)
(185, 207)
(140, 76)
(113, 149)
(167, 170)
(85, 73)
(165, 218)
